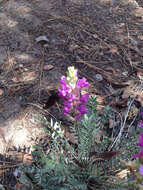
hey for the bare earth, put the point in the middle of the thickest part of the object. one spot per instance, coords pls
(104, 40)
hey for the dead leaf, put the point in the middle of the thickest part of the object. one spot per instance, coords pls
(2, 134)
(28, 76)
(111, 123)
(127, 92)
(140, 75)
(113, 49)
(48, 67)
(1, 91)
(99, 99)
(27, 159)
(15, 79)
(122, 174)
(18, 185)
(140, 37)
(121, 103)
(107, 2)
(86, 47)
(133, 112)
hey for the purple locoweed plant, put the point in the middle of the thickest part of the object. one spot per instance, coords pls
(72, 91)
(141, 124)
(139, 155)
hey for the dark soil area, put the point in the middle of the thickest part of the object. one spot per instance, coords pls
(40, 39)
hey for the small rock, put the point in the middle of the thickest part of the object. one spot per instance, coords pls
(20, 65)
(25, 69)
(125, 73)
(46, 45)
(95, 36)
(99, 77)
(48, 67)
(1, 91)
(42, 39)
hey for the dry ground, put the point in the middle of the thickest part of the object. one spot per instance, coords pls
(103, 39)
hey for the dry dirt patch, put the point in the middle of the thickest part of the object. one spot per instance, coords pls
(103, 40)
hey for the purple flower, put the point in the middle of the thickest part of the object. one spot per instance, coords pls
(141, 113)
(82, 109)
(141, 141)
(141, 124)
(133, 178)
(141, 170)
(82, 83)
(73, 102)
(62, 93)
(78, 117)
(65, 89)
(84, 98)
(71, 97)
(140, 154)
(67, 104)
(63, 80)
(66, 110)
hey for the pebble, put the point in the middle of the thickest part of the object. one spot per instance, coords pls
(42, 38)
(48, 67)
(125, 73)
(99, 77)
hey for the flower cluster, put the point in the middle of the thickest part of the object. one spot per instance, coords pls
(140, 143)
(71, 91)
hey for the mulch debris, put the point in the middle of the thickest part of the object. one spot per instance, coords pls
(40, 39)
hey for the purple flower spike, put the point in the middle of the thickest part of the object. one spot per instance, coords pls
(133, 178)
(82, 83)
(141, 141)
(70, 91)
(141, 170)
(66, 110)
(62, 93)
(63, 80)
(67, 104)
(140, 154)
(78, 117)
(142, 113)
(141, 124)
(82, 108)
(84, 98)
